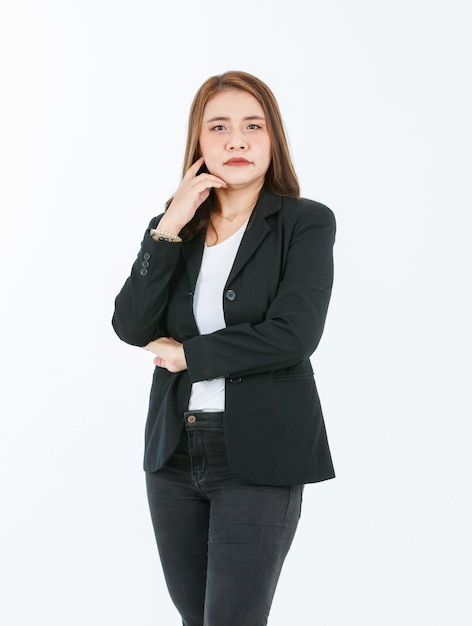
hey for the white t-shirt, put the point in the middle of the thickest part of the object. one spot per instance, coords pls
(217, 262)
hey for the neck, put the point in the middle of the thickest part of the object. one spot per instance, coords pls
(233, 200)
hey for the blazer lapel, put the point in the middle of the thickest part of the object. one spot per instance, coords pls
(192, 252)
(258, 228)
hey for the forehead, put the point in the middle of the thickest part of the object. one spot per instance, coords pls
(232, 103)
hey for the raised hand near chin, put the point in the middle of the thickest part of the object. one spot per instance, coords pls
(192, 192)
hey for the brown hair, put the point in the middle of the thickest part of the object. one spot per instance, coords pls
(280, 177)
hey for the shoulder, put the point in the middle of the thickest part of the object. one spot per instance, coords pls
(298, 219)
(306, 211)
(290, 210)
(297, 215)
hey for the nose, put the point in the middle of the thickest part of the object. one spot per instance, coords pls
(236, 141)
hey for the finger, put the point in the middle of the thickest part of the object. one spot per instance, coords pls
(158, 361)
(193, 169)
(208, 180)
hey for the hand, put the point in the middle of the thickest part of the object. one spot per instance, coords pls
(192, 192)
(170, 354)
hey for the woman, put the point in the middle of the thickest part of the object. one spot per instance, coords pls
(230, 291)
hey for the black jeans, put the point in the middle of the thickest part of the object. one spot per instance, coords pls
(222, 542)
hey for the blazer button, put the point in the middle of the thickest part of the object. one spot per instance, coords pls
(235, 380)
(143, 271)
(145, 264)
(146, 256)
(230, 295)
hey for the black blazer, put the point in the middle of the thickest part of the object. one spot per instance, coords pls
(275, 304)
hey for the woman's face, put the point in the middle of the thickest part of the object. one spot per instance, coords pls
(234, 140)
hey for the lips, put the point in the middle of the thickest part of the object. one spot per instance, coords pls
(237, 161)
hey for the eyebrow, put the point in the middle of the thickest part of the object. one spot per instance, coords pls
(222, 118)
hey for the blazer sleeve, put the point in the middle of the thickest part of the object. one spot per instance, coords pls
(295, 319)
(140, 307)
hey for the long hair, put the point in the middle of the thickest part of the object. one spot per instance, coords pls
(280, 177)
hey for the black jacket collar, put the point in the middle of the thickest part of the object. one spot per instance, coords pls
(267, 204)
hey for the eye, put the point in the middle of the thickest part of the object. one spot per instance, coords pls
(253, 126)
(218, 127)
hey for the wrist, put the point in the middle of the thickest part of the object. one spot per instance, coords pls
(164, 235)
(168, 224)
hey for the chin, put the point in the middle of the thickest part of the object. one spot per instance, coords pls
(239, 181)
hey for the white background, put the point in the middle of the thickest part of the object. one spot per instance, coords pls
(376, 97)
